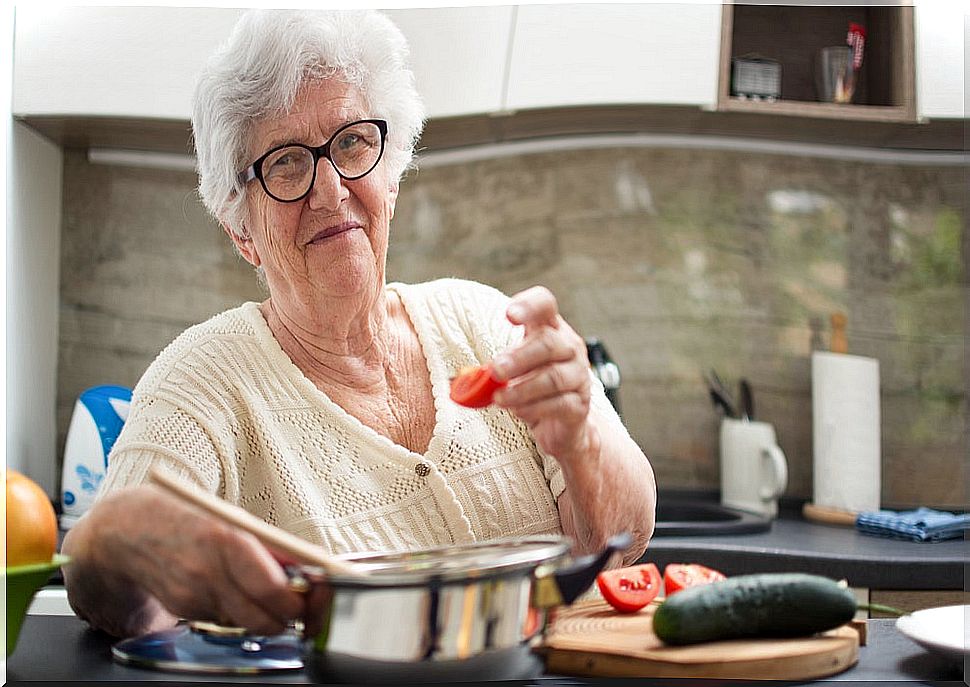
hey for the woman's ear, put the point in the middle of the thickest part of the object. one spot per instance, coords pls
(395, 187)
(243, 243)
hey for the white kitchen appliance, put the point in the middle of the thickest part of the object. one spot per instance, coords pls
(99, 414)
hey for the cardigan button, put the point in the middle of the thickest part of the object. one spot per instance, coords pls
(422, 470)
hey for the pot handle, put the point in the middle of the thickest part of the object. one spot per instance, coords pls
(563, 586)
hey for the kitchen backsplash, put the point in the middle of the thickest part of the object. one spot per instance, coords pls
(680, 260)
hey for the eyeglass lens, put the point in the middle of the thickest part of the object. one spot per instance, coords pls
(288, 173)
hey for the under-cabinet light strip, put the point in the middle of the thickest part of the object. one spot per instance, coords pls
(491, 151)
(141, 158)
(688, 141)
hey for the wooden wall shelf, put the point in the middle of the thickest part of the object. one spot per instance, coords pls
(872, 113)
(793, 35)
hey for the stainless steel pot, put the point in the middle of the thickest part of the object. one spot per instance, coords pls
(448, 614)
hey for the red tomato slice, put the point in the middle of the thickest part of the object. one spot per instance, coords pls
(679, 576)
(630, 589)
(473, 386)
(532, 624)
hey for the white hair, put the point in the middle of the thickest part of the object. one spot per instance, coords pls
(259, 70)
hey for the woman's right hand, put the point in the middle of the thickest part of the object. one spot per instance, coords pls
(142, 558)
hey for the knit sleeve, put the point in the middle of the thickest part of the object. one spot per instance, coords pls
(184, 415)
(159, 434)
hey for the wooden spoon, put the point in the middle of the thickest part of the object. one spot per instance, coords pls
(839, 343)
(281, 540)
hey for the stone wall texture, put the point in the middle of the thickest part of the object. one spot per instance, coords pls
(679, 260)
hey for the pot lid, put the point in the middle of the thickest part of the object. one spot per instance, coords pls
(459, 562)
(205, 648)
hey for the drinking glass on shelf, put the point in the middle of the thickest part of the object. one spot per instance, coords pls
(835, 74)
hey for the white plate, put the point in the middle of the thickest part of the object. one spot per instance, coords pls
(945, 630)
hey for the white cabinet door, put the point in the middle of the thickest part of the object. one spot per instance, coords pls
(458, 55)
(941, 57)
(143, 61)
(112, 61)
(597, 54)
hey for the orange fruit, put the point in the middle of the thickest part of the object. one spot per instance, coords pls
(31, 523)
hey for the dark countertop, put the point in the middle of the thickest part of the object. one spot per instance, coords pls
(62, 649)
(794, 544)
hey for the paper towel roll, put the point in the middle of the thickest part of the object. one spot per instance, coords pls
(845, 431)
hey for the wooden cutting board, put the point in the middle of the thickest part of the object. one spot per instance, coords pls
(829, 516)
(591, 639)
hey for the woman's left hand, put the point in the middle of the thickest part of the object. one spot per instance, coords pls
(548, 377)
(549, 387)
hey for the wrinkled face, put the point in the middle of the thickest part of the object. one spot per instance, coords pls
(333, 242)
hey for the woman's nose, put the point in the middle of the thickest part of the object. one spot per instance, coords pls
(328, 190)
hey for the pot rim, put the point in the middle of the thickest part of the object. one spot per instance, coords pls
(448, 564)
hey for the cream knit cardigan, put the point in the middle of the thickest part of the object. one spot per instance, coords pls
(225, 408)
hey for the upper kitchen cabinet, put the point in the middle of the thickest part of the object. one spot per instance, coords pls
(108, 76)
(771, 61)
(941, 58)
(127, 62)
(602, 54)
(458, 55)
(141, 62)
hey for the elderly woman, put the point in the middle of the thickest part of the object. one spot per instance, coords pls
(324, 410)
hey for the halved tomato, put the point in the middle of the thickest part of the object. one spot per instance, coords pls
(473, 387)
(630, 589)
(679, 576)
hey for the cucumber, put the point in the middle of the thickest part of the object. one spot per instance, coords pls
(762, 605)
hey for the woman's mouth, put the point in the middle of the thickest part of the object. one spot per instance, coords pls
(332, 231)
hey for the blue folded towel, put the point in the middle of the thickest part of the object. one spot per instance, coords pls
(922, 524)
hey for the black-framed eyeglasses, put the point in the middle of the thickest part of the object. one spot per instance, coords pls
(288, 172)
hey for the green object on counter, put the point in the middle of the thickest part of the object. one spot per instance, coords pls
(22, 582)
(757, 605)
